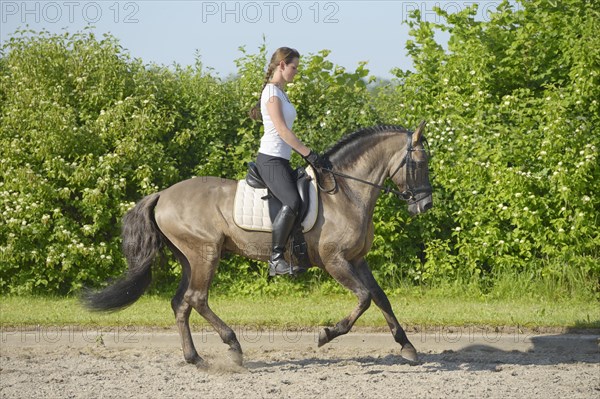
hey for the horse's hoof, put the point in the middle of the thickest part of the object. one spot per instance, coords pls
(236, 356)
(198, 362)
(192, 359)
(324, 337)
(409, 353)
(202, 365)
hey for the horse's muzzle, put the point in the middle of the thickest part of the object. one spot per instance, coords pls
(421, 205)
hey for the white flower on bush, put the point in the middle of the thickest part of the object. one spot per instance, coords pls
(586, 198)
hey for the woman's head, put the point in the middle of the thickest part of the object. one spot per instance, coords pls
(282, 58)
(284, 61)
(285, 54)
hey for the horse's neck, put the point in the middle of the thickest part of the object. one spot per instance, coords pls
(363, 196)
(372, 166)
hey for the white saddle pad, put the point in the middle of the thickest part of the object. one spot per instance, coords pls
(251, 212)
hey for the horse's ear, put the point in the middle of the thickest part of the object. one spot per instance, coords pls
(416, 138)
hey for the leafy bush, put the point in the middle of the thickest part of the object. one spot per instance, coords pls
(512, 106)
(81, 140)
(513, 111)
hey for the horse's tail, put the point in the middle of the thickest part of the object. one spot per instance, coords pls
(141, 242)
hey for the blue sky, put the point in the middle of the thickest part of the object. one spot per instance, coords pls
(167, 32)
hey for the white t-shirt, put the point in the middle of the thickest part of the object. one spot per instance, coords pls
(271, 143)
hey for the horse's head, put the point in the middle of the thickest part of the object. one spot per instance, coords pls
(411, 175)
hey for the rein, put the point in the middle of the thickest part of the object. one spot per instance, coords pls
(407, 195)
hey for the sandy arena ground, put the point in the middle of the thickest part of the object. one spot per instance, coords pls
(145, 363)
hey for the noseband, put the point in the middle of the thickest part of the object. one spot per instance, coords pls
(407, 195)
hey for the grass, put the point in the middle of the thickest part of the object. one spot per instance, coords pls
(414, 311)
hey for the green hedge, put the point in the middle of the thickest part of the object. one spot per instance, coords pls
(512, 106)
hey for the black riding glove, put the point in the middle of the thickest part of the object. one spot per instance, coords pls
(317, 161)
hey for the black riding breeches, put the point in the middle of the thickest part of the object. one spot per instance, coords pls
(278, 176)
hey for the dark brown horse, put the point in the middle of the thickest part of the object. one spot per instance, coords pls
(194, 219)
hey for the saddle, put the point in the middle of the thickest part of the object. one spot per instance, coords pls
(255, 207)
(303, 180)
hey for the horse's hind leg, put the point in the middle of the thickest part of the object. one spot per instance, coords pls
(203, 267)
(343, 272)
(182, 312)
(381, 300)
(182, 315)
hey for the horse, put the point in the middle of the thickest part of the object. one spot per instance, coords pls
(194, 219)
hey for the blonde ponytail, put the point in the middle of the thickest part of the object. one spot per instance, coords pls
(255, 111)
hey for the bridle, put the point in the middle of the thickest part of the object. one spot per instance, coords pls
(408, 195)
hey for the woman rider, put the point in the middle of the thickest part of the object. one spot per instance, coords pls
(276, 145)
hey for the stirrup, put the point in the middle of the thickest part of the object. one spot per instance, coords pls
(291, 270)
(276, 268)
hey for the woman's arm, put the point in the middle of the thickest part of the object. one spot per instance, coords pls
(274, 107)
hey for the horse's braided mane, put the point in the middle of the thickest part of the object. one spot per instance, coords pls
(352, 140)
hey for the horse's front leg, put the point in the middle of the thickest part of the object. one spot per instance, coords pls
(381, 300)
(342, 271)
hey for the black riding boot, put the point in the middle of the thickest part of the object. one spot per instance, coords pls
(282, 228)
